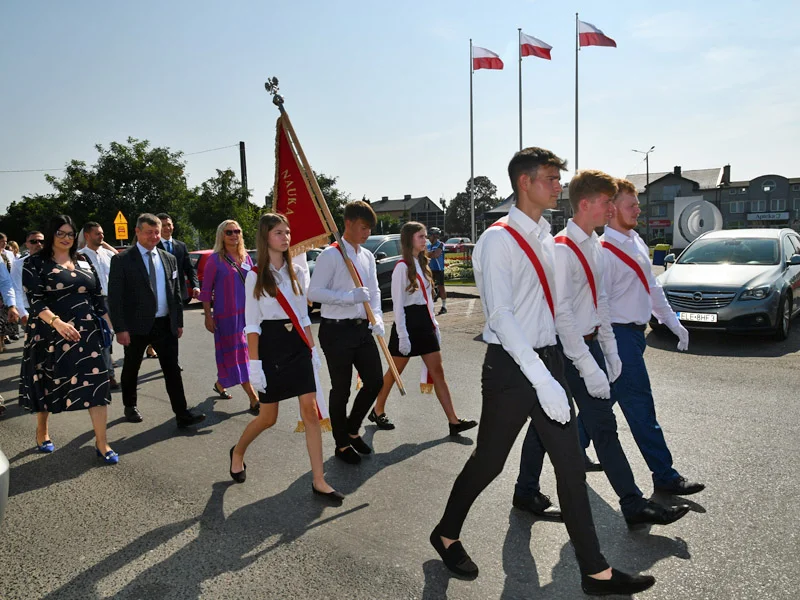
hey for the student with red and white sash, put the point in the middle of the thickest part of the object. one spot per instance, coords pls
(633, 295)
(415, 331)
(523, 375)
(585, 335)
(283, 356)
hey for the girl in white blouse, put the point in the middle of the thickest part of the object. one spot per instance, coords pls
(415, 331)
(283, 356)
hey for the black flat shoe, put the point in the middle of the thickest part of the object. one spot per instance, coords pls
(381, 420)
(255, 408)
(539, 505)
(360, 446)
(348, 455)
(223, 394)
(462, 425)
(454, 557)
(620, 583)
(334, 496)
(241, 476)
(680, 487)
(189, 418)
(132, 415)
(655, 514)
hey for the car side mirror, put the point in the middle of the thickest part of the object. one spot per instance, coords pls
(380, 255)
(669, 259)
(794, 261)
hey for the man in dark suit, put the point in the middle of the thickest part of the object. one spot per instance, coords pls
(146, 307)
(181, 253)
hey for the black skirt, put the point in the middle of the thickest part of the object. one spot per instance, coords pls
(286, 360)
(421, 332)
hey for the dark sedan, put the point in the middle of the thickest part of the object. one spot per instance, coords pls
(742, 280)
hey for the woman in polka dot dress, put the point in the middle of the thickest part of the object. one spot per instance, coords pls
(62, 363)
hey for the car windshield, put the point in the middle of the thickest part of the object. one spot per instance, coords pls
(372, 243)
(745, 251)
(453, 241)
(313, 254)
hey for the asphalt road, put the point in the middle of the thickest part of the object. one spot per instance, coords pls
(167, 522)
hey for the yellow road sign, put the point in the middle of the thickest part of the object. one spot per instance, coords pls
(121, 230)
(121, 220)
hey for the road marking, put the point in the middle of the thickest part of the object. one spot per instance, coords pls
(470, 307)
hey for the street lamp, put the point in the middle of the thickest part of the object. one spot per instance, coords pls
(647, 190)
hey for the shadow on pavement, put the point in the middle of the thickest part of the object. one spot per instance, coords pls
(227, 545)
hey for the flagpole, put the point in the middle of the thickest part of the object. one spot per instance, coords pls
(519, 44)
(471, 151)
(321, 203)
(577, 48)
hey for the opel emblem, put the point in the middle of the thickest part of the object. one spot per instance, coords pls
(697, 296)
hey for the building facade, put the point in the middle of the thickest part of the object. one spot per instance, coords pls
(406, 209)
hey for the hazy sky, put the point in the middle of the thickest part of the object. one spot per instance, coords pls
(379, 91)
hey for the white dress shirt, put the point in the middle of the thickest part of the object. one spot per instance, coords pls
(331, 282)
(517, 314)
(19, 293)
(7, 286)
(267, 308)
(576, 315)
(401, 297)
(101, 259)
(162, 310)
(628, 301)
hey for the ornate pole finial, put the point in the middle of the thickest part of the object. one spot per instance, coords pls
(271, 85)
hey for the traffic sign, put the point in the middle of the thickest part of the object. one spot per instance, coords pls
(121, 220)
(121, 231)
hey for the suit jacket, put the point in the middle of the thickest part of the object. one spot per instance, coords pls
(185, 268)
(131, 302)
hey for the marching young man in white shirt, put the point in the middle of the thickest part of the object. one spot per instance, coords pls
(523, 375)
(633, 295)
(344, 331)
(587, 340)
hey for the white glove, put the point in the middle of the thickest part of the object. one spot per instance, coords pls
(358, 295)
(597, 383)
(683, 336)
(553, 400)
(614, 366)
(378, 329)
(405, 345)
(257, 377)
(315, 360)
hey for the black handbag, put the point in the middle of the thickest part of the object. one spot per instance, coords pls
(105, 331)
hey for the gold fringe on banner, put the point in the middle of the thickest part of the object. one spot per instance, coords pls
(324, 425)
(426, 388)
(320, 240)
(301, 427)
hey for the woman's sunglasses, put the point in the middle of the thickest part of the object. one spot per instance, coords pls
(230, 232)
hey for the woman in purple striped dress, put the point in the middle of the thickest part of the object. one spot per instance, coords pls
(223, 287)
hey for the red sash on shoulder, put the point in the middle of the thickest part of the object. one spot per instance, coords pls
(287, 308)
(537, 265)
(624, 257)
(424, 291)
(562, 239)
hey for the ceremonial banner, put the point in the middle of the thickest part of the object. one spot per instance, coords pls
(293, 197)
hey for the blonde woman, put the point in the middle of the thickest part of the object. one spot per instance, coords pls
(223, 285)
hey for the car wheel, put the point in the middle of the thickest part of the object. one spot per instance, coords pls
(784, 319)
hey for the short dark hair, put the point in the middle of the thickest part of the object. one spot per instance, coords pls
(148, 219)
(528, 160)
(164, 216)
(590, 183)
(360, 210)
(33, 232)
(87, 227)
(54, 225)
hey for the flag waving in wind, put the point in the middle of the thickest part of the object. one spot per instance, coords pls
(589, 35)
(531, 46)
(485, 59)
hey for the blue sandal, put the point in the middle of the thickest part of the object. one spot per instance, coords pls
(110, 457)
(46, 446)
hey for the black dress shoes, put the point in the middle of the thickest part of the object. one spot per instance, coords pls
(113, 384)
(590, 466)
(348, 455)
(189, 418)
(241, 476)
(462, 425)
(454, 556)
(132, 415)
(360, 445)
(620, 583)
(381, 420)
(334, 496)
(655, 514)
(539, 505)
(680, 487)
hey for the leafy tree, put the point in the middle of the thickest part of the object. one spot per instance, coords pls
(387, 224)
(458, 217)
(218, 199)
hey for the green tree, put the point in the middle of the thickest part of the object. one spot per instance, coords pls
(218, 199)
(458, 218)
(387, 224)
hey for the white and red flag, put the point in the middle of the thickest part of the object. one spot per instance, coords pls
(485, 59)
(531, 46)
(589, 35)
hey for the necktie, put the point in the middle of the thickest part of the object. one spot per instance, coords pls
(152, 267)
(169, 247)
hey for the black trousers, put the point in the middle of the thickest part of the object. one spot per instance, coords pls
(165, 344)
(508, 400)
(348, 344)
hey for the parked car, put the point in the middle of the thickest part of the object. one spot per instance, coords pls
(198, 259)
(456, 244)
(386, 249)
(4, 476)
(743, 280)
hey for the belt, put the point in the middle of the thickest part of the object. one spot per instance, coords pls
(590, 337)
(635, 326)
(344, 321)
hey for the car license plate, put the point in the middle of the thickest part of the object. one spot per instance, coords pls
(698, 317)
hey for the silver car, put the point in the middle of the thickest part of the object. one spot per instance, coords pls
(4, 474)
(743, 280)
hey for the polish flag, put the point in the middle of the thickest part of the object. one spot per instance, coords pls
(589, 35)
(485, 59)
(534, 47)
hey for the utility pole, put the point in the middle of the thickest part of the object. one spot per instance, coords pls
(647, 190)
(243, 162)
